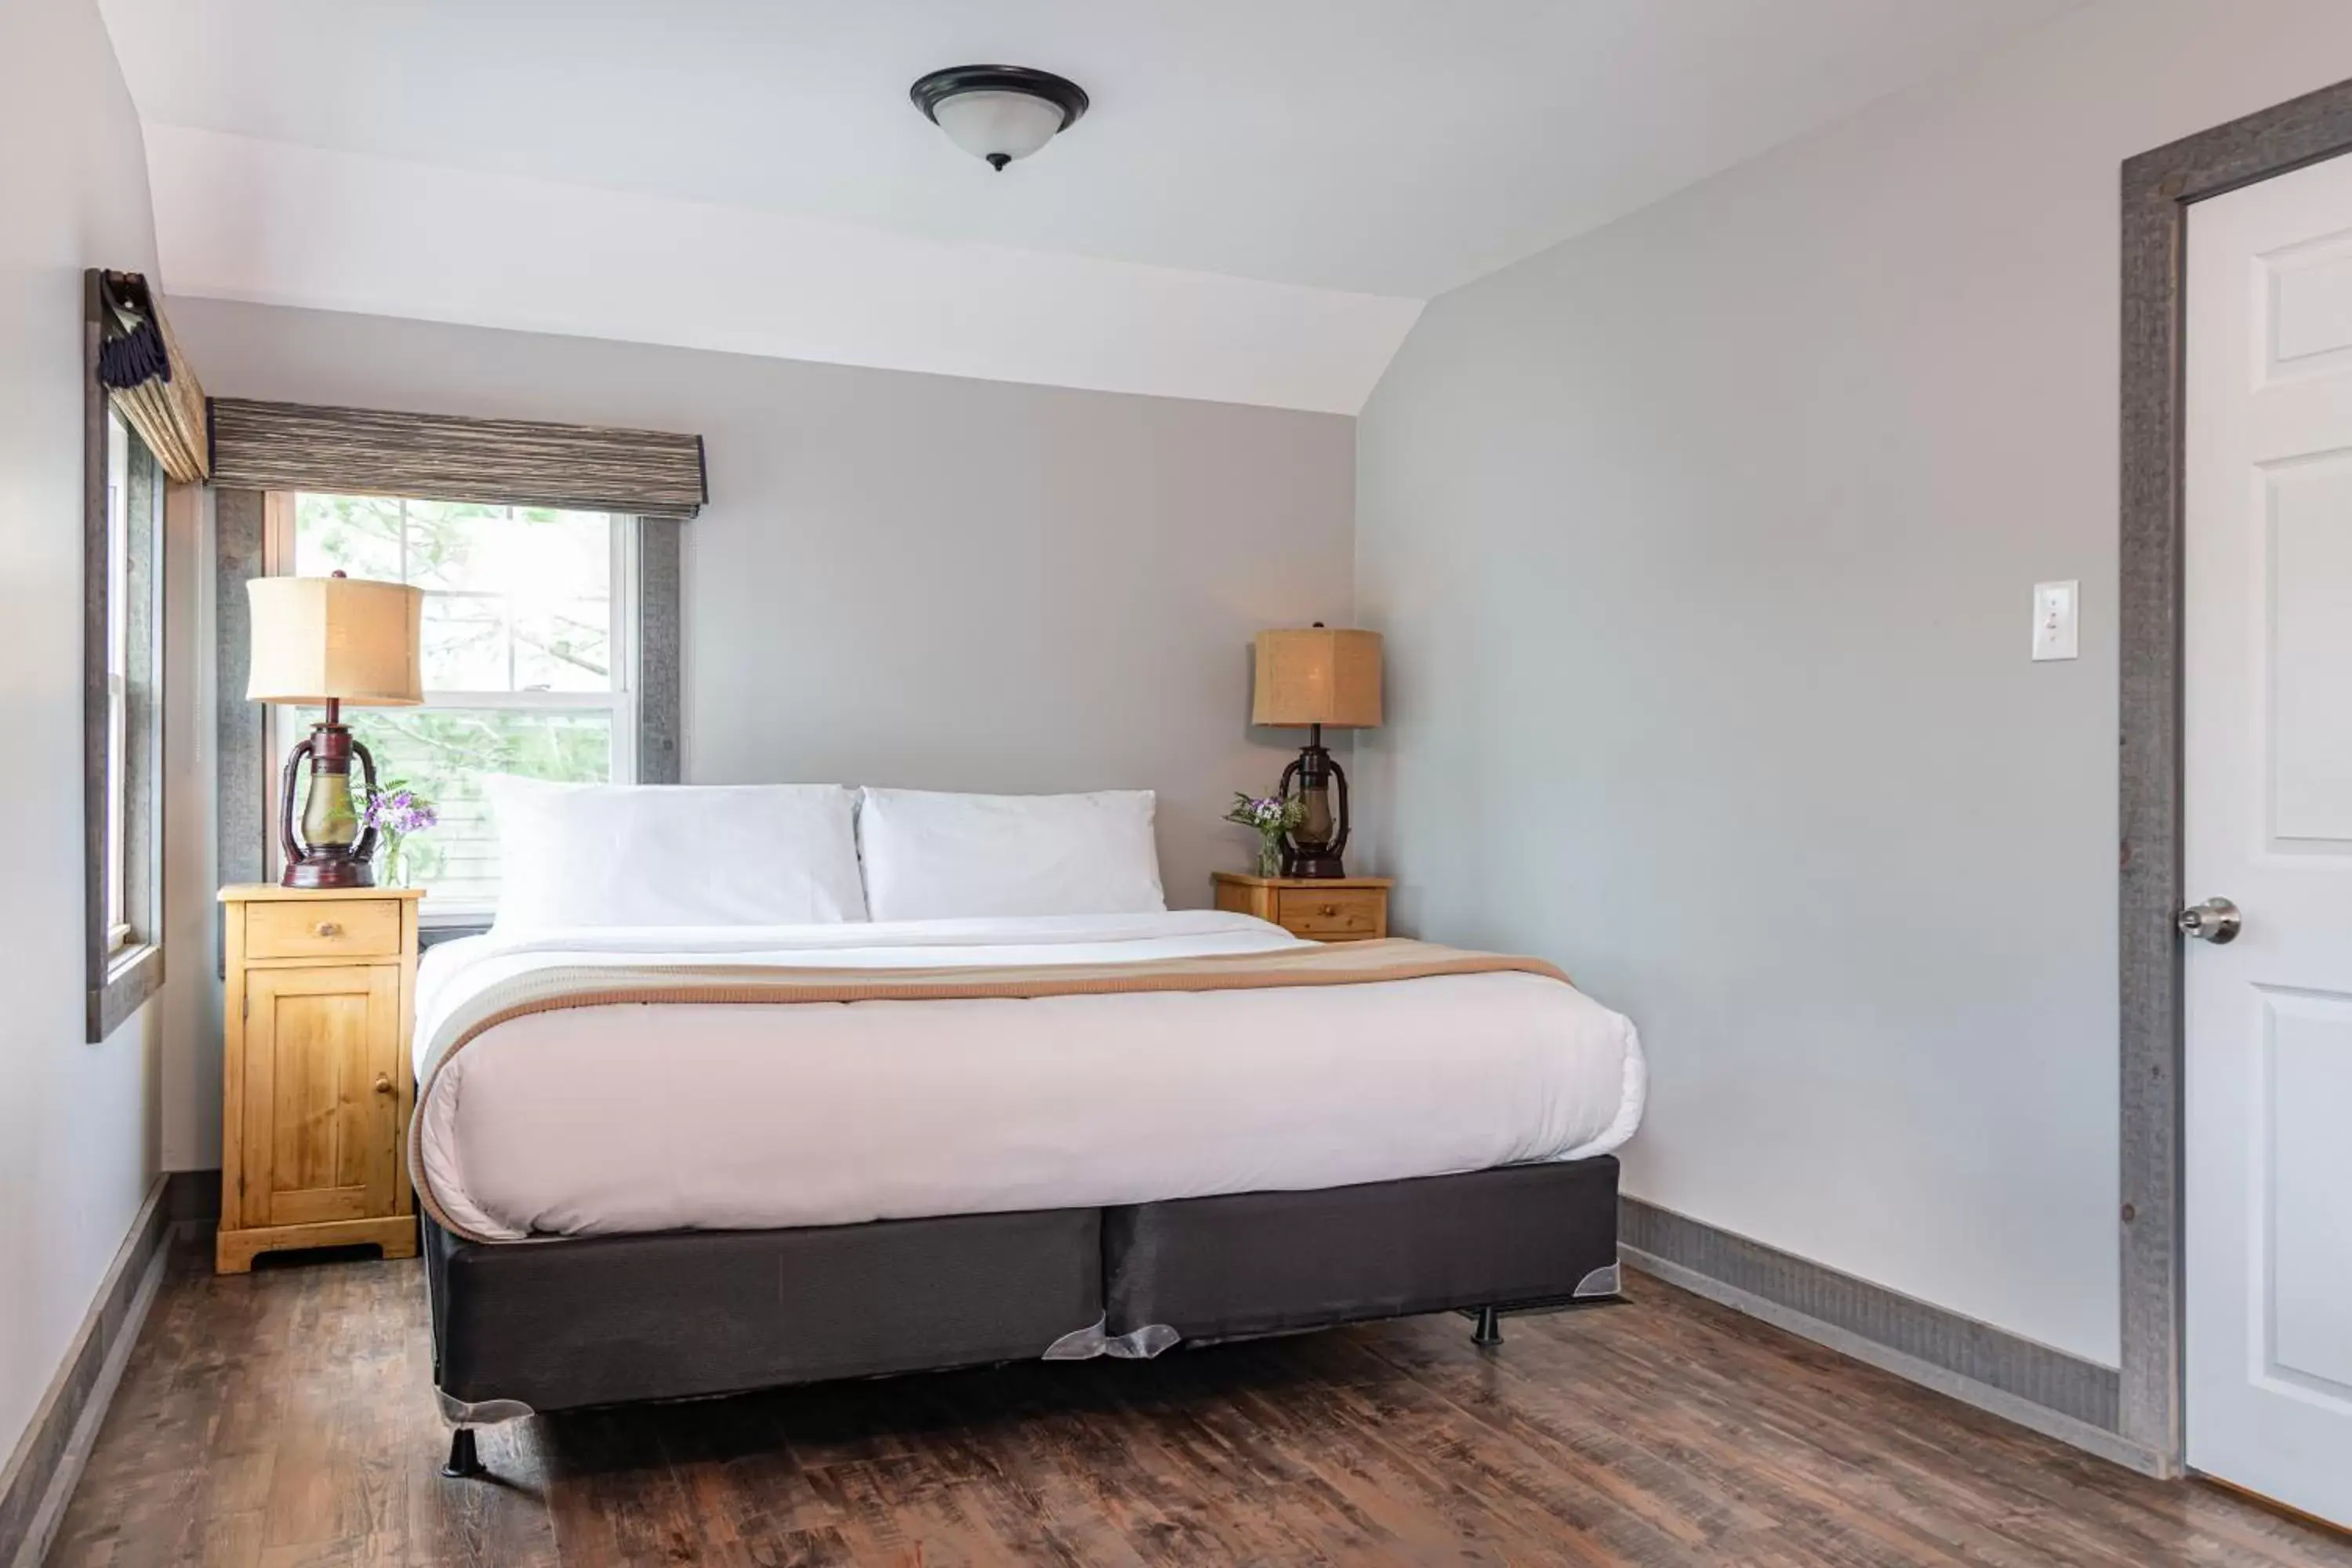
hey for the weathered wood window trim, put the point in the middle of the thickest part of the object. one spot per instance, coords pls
(123, 708)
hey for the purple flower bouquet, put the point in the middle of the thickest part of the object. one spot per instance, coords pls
(1271, 818)
(396, 811)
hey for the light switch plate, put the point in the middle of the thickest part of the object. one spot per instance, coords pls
(2055, 607)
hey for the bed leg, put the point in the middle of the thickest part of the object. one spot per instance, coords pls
(1489, 1331)
(464, 1463)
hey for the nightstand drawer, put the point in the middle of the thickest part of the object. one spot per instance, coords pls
(1333, 915)
(337, 928)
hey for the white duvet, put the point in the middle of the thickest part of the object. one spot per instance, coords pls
(745, 1116)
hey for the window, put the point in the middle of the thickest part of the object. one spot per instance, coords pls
(118, 675)
(528, 638)
(122, 721)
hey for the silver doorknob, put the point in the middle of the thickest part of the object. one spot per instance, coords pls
(2216, 920)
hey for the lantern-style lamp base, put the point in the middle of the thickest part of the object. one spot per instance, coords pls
(1314, 847)
(333, 850)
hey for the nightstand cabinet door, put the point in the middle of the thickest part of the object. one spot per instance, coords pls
(322, 1079)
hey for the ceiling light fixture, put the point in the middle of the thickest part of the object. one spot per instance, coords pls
(999, 112)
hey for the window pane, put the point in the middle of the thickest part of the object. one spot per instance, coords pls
(517, 598)
(460, 544)
(118, 542)
(441, 753)
(356, 535)
(118, 663)
(117, 741)
(563, 646)
(466, 643)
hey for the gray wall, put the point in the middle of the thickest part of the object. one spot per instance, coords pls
(1704, 546)
(77, 1120)
(909, 579)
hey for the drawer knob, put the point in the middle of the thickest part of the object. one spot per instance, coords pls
(384, 1083)
(1329, 910)
(329, 927)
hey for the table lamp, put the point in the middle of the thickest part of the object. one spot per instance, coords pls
(1317, 676)
(332, 640)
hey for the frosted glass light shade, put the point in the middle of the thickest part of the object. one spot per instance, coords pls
(998, 113)
(342, 637)
(999, 125)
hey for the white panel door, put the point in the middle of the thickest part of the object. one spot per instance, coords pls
(2269, 774)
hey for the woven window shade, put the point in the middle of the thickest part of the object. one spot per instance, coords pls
(146, 375)
(433, 456)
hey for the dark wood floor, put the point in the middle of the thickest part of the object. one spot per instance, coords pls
(283, 1418)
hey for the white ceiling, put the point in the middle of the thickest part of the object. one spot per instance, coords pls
(1371, 147)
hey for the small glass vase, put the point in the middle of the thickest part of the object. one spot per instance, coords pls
(392, 866)
(1269, 857)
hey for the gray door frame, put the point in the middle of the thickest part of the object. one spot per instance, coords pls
(2159, 188)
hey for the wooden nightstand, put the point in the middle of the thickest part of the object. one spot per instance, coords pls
(1324, 908)
(316, 1094)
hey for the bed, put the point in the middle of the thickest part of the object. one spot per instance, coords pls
(672, 1161)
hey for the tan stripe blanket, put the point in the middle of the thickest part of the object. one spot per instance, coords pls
(558, 988)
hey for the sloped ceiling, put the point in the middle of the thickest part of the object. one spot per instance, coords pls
(1261, 197)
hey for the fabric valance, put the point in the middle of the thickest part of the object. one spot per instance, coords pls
(433, 456)
(146, 375)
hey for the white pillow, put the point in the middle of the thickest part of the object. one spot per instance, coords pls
(941, 857)
(674, 855)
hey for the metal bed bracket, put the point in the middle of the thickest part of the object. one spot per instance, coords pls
(465, 1460)
(1604, 1286)
(1136, 1345)
(482, 1412)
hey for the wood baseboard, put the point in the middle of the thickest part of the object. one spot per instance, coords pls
(2055, 1394)
(40, 1474)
